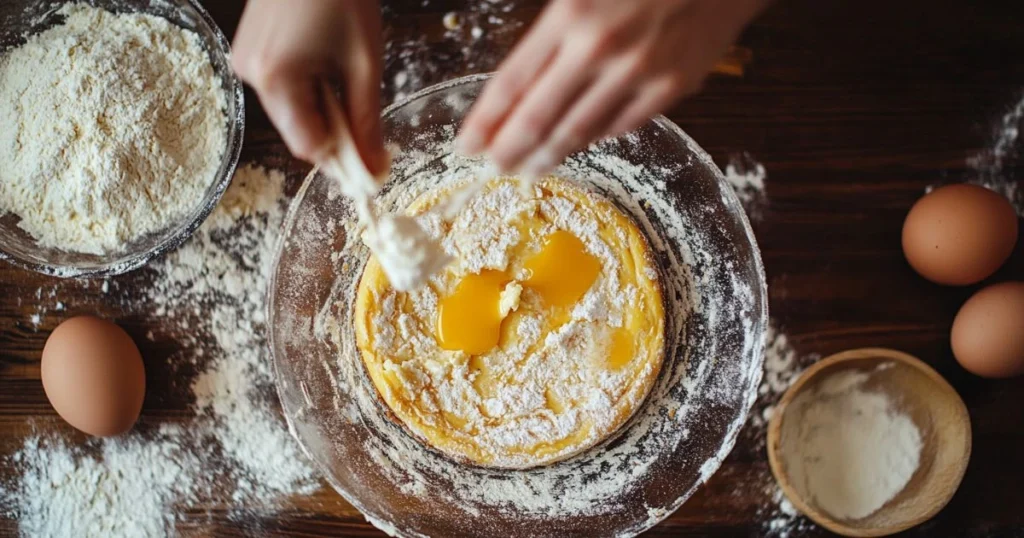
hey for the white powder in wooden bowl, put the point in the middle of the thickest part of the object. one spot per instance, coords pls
(847, 449)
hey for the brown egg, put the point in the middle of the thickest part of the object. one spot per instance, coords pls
(988, 332)
(93, 376)
(959, 234)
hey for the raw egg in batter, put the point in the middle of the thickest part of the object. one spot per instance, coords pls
(562, 271)
(470, 319)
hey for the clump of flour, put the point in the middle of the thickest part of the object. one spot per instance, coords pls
(114, 127)
(128, 488)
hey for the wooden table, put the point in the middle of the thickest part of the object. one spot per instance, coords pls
(853, 107)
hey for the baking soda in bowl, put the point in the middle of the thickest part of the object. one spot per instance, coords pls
(849, 449)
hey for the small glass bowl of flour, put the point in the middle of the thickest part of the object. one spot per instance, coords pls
(869, 442)
(122, 126)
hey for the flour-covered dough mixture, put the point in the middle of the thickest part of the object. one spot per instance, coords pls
(113, 126)
(539, 341)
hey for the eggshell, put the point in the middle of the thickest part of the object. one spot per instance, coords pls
(93, 376)
(959, 234)
(988, 332)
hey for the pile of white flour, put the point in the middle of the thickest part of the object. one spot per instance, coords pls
(231, 449)
(847, 448)
(113, 127)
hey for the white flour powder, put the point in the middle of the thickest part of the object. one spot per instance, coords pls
(226, 268)
(747, 183)
(991, 165)
(848, 449)
(114, 126)
(995, 166)
(125, 490)
(747, 177)
(782, 365)
(233, 450)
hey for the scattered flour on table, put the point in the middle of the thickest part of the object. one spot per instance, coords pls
(475, 38)
(114, 126)
(226, 267)
(234, 450)
(849, 449)
(998, 167)
(747, 177)
(782, 366)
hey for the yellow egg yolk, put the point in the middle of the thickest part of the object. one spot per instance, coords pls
(561, 272)
(621, 352)
(470, 318)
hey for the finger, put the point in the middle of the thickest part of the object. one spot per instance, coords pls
(531, 121)
(362, 108)
(654, 99)
(293, 104)
(515, 75)
(585, 121)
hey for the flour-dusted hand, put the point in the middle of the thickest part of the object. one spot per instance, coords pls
(594, 68)
(286, 50)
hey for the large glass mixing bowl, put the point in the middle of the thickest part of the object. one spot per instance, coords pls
(716, 315)
(19, 18)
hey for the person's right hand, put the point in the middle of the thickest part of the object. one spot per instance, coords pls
(286, 50)
(590, 69)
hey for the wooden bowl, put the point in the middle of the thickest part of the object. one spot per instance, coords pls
(935, 408)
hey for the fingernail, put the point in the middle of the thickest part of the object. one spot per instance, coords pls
(468, 145)
(539, 163)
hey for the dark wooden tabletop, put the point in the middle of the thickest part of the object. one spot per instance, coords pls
(854, 107)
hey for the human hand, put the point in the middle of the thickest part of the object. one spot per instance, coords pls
(287, 50)
(589, 69)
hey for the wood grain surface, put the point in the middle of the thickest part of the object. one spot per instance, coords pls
(854, 107)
